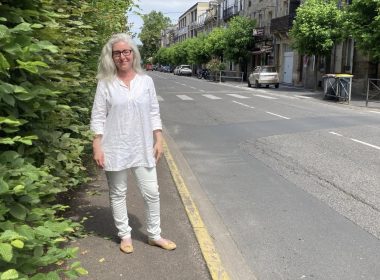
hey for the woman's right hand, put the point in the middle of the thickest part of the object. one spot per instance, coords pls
(98, 151)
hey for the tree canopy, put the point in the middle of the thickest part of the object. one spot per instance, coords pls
(317, 27)
(238, 38)
(364, 25)
(150, 34)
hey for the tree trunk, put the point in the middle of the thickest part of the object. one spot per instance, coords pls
(316, 66)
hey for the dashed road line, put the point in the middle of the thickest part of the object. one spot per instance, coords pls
(159, 98)
(277, 115)
(210, 96)
(265, 96)
(242, 104)
(365, 143)
(184, 97)
(334, 133)
(238, 96)
(376, 112)
(303, 97)
(356, 140)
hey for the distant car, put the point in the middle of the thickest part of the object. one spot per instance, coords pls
(149, 67)
(175, 71)
(184, 70)
(264, 75)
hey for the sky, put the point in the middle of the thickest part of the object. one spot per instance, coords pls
(170, 8)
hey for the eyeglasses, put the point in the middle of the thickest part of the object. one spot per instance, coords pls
(117, 54)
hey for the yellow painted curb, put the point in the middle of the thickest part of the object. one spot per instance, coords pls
(210, 255)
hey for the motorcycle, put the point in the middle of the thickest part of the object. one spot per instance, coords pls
(204, 73)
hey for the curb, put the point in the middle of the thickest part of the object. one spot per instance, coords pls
(204, 239)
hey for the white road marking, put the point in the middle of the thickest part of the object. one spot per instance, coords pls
(365, 143)
(192, 87)
(377, 112)
(184, 97)
(303, 97)
(265, 96)
(159, 98)
(238, 96)
(334, 133)
(211, 96)
(202, 90)
(286, 118)
(357, 141)
(242, 104)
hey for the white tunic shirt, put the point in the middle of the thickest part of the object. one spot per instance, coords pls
(126, 117)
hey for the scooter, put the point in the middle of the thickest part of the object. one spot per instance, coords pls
(204, 73)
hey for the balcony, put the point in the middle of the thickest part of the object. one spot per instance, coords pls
(281, 24)
(230, 12)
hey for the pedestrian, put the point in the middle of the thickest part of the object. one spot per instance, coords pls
(127, 130)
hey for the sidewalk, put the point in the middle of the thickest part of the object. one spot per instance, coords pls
(99, 252)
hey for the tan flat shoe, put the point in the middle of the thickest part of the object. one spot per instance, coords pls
(126, 248)
(167, 245)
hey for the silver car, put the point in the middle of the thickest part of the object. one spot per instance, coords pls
(264, 75)
(185, 70)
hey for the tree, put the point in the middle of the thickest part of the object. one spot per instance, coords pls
(150, 34)
(215, 43)
(364, 26)
(317, 27)
(238, 38)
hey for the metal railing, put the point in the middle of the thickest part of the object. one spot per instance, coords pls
(373, 91)
(230, 75)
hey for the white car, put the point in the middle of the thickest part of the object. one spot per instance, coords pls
(184, 70)
(264, 75)
(175, 71)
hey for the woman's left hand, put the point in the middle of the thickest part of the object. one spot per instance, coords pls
(158, 148)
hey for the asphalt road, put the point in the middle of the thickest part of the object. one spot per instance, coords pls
(288, 184)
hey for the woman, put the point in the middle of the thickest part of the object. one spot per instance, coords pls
(128, 135)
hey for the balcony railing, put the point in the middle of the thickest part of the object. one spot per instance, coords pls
(281, 24)
(230, 12)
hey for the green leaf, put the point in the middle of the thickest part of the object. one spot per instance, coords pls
(8, 156)
(17, 244)
(4, 187)
(46, 45)
(9, 99)
(22, 27)
(31, 66)
(18, 211)
(61, 157)
(4, 65)
(38, 251)
(10, 121)
(6, 252)
(3, 31)
(9, 274)
(81, 271)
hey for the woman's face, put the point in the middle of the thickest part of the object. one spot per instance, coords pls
(122, 56)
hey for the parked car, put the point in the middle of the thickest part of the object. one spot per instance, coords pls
(149, 67)
(184, 70)
(175, 71)
(264, 75)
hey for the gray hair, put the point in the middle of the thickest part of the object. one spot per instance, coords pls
(106, 66)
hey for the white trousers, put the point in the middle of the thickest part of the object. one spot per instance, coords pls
(147, 182)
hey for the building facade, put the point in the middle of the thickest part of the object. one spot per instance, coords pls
(188, 21)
